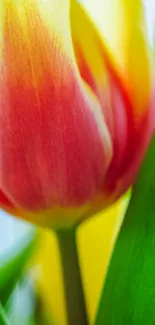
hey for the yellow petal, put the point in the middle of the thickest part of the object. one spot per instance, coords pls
(1, 26)
(123, 27)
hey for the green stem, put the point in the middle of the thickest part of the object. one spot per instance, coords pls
(3, 317)
(74, 295)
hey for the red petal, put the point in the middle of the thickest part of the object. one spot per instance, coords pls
(52, 149)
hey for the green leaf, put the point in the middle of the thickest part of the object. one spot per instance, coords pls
(128, 296)
(3, 317)
(12, 264)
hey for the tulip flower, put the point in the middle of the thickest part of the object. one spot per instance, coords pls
(75, 107)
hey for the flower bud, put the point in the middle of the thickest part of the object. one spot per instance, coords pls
(74, 113)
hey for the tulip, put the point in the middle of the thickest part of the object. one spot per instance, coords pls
(75, 108)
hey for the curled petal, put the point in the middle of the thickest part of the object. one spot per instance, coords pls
(124, 93)
(123, 27)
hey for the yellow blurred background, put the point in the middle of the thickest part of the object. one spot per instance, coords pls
(95, 238)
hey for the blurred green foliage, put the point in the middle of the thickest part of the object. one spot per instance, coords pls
(16, 292)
